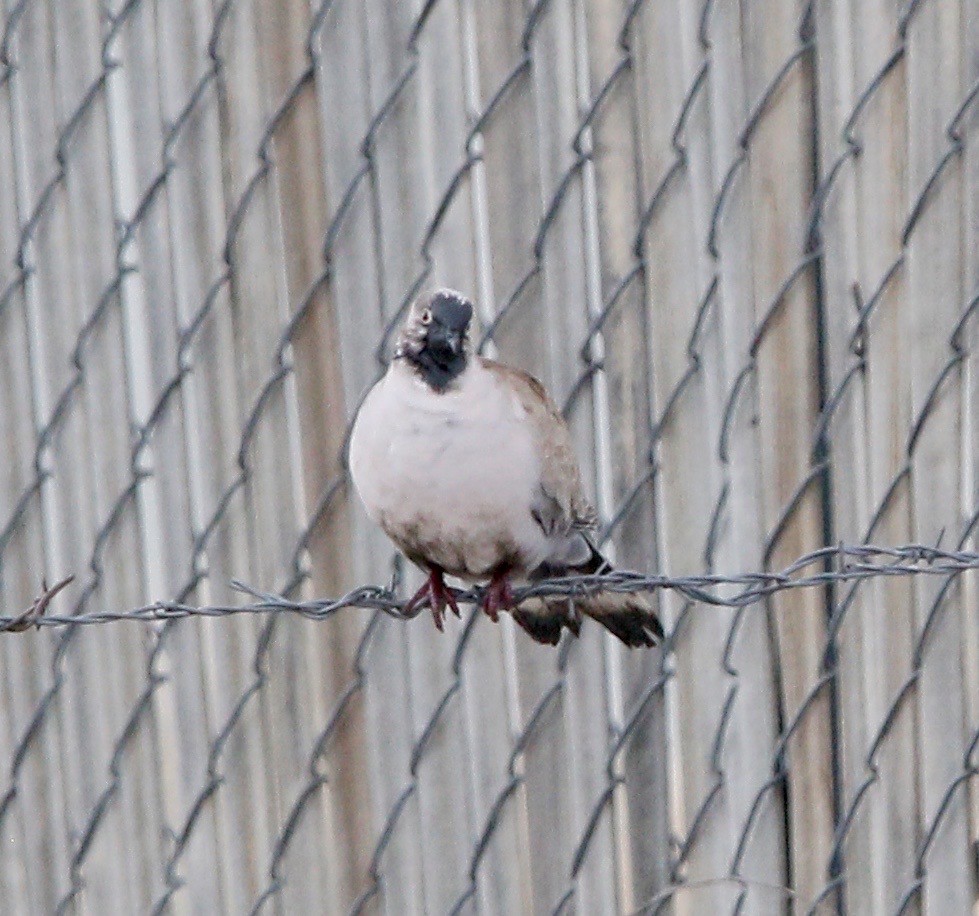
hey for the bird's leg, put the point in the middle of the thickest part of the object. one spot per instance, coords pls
(415, 603)
(441, 596)
(498, 596)
(438, 596)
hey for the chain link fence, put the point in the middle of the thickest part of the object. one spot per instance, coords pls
(735, 239)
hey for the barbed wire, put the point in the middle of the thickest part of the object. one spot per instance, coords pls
(843, 563)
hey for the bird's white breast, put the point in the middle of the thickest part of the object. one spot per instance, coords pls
(449, 476)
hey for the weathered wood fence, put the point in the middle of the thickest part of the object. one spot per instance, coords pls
(737, 238)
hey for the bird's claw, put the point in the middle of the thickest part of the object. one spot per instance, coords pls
(438, 595)
(498, 597)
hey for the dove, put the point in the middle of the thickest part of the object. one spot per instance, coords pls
(468, 467)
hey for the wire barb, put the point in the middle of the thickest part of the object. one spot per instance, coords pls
(32, 617)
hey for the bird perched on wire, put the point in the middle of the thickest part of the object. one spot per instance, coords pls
(468, 466)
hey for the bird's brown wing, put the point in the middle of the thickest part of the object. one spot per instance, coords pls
(630, 617)
(563, 505)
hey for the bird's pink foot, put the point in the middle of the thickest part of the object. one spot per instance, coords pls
(437, 594)
(442, 595)
(498, 597)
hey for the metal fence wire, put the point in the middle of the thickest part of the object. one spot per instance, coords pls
(735, 238)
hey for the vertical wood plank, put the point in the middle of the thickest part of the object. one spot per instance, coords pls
(302, 873)
(682, 343)
(181, 703)
(779, 170)
(76, 324)
(138, 127)
(970, 392)
(196, 700)
(613, 202)
(747, 726)
(32, 782)
(258, 499)
(349, 249)
(29, 141)
(836, 231)
(619, 393)
(891, 803)
(935, 293)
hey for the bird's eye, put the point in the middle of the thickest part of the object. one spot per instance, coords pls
(426, 316)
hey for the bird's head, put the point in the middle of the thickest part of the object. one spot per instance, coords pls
(435, 337)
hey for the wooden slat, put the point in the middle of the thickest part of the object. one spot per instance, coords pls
(970, 401)
(779, 169)
(449, 818)
(32, 138)
(935, 297)
(879, 844)
(605, 877)
(846, 432)
(88, 513)
(263, 508)
(193, 704)
(612, 192)
(891, 804)
(32, 828)
(151, 322)
(747, 727)
(680, 275)
(194, 236)
(345, 111)
(705, 723)
(300, 880)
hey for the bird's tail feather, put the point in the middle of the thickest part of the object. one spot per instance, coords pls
(629, 616)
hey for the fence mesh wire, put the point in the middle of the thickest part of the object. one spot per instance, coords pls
(735, 240)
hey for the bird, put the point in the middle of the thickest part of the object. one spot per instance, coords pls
(468, 466)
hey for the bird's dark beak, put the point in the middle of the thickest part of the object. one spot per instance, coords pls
(445, 344)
